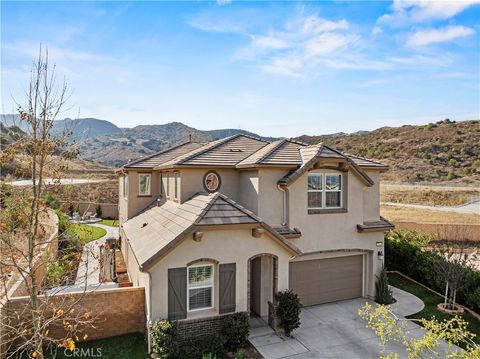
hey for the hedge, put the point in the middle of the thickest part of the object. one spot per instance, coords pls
(404, 253)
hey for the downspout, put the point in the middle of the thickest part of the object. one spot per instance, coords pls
(285, 205)
(149, 320)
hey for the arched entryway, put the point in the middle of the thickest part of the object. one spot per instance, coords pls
(262, 282)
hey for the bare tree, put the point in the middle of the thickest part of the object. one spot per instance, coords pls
(25, 239)
(458, 260)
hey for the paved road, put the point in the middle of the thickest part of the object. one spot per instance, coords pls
(63, 181)
(471, 208)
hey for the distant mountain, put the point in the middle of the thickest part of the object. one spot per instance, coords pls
(442, 151)
(218, 134)
(85, 127)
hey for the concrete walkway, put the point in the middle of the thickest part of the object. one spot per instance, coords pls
(335, 330)
(88, 273)
(406, 304)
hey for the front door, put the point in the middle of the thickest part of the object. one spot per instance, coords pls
(261, 284)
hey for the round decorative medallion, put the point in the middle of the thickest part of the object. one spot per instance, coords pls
(211, 181)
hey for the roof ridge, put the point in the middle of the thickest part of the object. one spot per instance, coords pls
(209, 205)
(363, 158)
(156, 154)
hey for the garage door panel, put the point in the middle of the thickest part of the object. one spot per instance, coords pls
(327, 280)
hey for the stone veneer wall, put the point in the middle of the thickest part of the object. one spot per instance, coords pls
(201, 327)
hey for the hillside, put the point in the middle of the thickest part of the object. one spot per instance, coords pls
(437, 152)
(233, 131)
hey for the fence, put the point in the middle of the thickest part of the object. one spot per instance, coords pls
(470, 232)
(109, 210)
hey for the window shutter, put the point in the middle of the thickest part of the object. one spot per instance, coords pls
(177, 293)
(227, 274)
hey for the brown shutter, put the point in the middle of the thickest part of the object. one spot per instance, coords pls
(227, 274)
(177, 293)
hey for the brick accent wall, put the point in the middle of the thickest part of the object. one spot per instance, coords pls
(114, 311)
(201, 327)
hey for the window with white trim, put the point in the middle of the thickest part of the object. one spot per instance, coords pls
(168, 184)
(324, 190)
(160, 181)
(176, 176)
(200, 287)
(144, 184)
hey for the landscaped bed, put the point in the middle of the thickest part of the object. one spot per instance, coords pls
(431, 300)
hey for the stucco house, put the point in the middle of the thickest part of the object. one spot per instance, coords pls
(216, 228)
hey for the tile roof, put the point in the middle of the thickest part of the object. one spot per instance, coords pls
(380, 225)
(225, 152)
(154, 232)
(242, 151)
(163, 156)
(281, 152)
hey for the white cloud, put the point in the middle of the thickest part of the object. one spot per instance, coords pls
(432, 36)
(223, 2)
(377, 30)
(416, 11)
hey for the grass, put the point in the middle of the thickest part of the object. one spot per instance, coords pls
(127, 346)
(431, 300)
(87, 233)
(109, 222)
(403, 214)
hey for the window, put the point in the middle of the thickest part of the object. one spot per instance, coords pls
(168, 184)
(144, 182)
(160, 190)
(176, 175)
(125, 185)
(324, 191)
(200, 287)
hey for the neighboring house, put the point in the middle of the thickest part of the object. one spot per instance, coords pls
(216, 228)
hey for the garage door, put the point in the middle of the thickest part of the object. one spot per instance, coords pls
(327, 280)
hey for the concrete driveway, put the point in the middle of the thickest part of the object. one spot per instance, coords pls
(329, 331)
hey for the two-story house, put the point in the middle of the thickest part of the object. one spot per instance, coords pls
(220, 227)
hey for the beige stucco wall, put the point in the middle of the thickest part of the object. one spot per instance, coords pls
(225, 246)
(248, 190)
(371, 198)
(270, 201)
(192, 182)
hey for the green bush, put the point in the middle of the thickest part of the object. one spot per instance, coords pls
(404, 253)
(195, 348)
(98, 210)
(52, 201)
(383, 294)
(163, 334)
(288, 310)
(235, 329)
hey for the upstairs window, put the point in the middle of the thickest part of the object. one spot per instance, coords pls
(144, 184)
(125, 185)
(176, 176)
(160, 190)
(200, 287)
(324, 190)
(168, 184)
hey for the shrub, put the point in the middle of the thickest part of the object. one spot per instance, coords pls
(98, 210)
(52, 201)
(404, 253)
(235, 329)
(70, 209)
(163, 334)
(383, 294)
(213, 345)
(288, 310)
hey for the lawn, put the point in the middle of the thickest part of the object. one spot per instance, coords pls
(128, 346)
(109, 222)
(431, 300)
(87, 233)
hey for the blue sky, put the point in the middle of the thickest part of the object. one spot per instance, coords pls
(275, 68)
